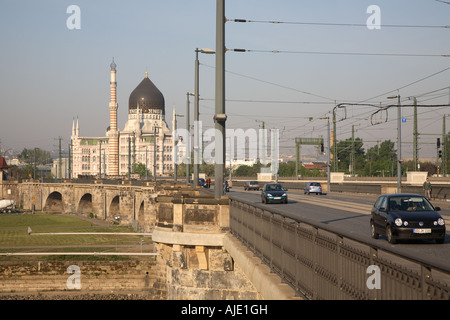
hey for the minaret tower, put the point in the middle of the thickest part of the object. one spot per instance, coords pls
(113, 133)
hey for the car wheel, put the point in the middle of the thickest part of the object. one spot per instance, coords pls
(390, 237)
(373, 232)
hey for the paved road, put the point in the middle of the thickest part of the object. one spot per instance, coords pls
(351, 214)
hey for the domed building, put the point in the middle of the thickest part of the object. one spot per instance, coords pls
(145, 139)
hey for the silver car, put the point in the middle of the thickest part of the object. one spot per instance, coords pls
(313, 187)
(251, 185)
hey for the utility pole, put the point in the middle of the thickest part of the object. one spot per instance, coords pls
(34, 164)
(134, 152)
(399, 141)
(60, 158)
(154, 154)
(399, 144)
(444, 148)
(146, 174)
(415, 139)
(329, 156)
(100, 161)
(188, 140)
(220, 116)
(352, 158)
(297, 157)
(196, 119)
(70, 160)
(129, 157)
(335, 154)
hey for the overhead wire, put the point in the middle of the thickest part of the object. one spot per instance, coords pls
(344, 53)
(334, 24)
(337, 53)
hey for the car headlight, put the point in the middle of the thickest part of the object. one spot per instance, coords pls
(269, 195)
(284, 194)
(405, 223)
(398, 222)
(441, 222)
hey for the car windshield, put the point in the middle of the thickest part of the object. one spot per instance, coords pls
(315, 184)
(274, 187)
(409, 203)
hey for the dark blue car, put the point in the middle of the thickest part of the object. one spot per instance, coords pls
(274, 192)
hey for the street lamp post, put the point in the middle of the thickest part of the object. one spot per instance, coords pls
(197, 113)
(399, 142)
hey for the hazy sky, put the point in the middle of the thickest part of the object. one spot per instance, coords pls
(50, 74)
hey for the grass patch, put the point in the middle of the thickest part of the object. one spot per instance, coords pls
(39, 220)
(15, 238)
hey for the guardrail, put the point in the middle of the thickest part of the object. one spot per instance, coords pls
(321, 263)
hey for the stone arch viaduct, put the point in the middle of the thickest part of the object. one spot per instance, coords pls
(123, 201)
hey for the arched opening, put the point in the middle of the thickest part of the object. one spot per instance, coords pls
(140, 216)
(54, 202)
(114, 207)
(139, 222)
(141, 211)
(85, 204)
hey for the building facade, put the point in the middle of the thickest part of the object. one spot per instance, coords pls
(145, 139)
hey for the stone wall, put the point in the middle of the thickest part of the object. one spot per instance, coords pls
(44, 277)
(203, 273)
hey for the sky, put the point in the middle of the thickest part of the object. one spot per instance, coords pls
(51, 74)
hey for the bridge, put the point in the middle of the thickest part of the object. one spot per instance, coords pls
(238, 248)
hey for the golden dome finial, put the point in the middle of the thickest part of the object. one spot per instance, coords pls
(146, 74)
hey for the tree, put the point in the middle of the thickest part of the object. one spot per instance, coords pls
(344, 150)
(249, 171)
(139, 168)
(381, 160)
(286, 169)
(35, 156)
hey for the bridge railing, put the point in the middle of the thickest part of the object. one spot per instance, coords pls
(321, 263)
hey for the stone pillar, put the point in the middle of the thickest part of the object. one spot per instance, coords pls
(189, 236)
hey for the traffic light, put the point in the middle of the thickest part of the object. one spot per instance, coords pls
(440, 153)
(322, 149)
(438, 142)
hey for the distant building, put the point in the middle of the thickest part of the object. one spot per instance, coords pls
(116, 153)
(58, 171)
(315, 165)
(3, 167)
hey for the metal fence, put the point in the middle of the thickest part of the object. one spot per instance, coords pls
(321, 264)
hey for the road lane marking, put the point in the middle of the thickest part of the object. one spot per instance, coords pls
(335, 204)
